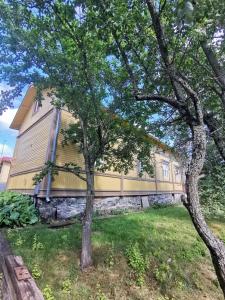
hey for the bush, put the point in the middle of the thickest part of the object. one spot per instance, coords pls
(16, 209)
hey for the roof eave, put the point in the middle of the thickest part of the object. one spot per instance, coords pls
(23, 108)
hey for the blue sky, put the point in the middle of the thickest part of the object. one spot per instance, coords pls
(7, 135)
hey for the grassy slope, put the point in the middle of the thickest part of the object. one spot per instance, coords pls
(179, 266)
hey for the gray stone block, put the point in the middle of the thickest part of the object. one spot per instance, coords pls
(66, 208)
(145, 202)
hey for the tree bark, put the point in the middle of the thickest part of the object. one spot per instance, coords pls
(86, 252)
(215, 245)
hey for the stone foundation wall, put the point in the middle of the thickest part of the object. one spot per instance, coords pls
(65, 208)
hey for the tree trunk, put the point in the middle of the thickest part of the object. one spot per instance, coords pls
(214, 244)
(86, 252)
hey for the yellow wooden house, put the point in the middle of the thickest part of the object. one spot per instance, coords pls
(39, 140)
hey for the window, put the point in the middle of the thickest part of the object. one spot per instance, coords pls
(165, 169)
(177, 170)
(37, 106)
(177, 174)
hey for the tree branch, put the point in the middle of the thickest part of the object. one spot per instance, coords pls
(72, 170)
(155, 97)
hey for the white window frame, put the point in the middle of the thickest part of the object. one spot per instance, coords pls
(165, 169)
(177, 174)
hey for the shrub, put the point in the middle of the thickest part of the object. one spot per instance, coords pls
(137, 262)
(16, 209)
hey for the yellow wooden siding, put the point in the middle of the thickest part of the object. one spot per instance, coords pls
(31, 147)
(4, 173)
(31, 117)
(165, 186)
(178, 187)
(138, 185)
(24, 181)
(105, 183)
(67, 153)
(68, 181)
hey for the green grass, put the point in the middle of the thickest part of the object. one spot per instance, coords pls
(176, 263)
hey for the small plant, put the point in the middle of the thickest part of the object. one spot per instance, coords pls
(100, 295)
(162, 273)
(169, 275)
(16, 209)
(36, 271)
(137, 262)
(67, 286)
(19, 241)
(36, 244)
(47, 293)
(10, 233)
(163, 298)
(110, 259)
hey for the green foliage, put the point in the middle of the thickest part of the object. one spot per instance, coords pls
(36, 271)
(100, 295)
(16, 209)
(110, 259)
(73, 64)
(48, 293)
(37, 245)
(162, 273)
(196, 249)
(67, 286)
(19, 241)
(137, 262)
(168, 275)
(212, 192)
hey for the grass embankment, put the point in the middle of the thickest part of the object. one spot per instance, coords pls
(154, 254)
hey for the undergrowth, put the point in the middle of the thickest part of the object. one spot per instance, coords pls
(155, 254)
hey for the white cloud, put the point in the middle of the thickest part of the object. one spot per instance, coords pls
(7, 116)
(5, 150)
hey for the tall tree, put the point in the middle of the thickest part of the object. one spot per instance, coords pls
(53, 45)
(160, 52)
